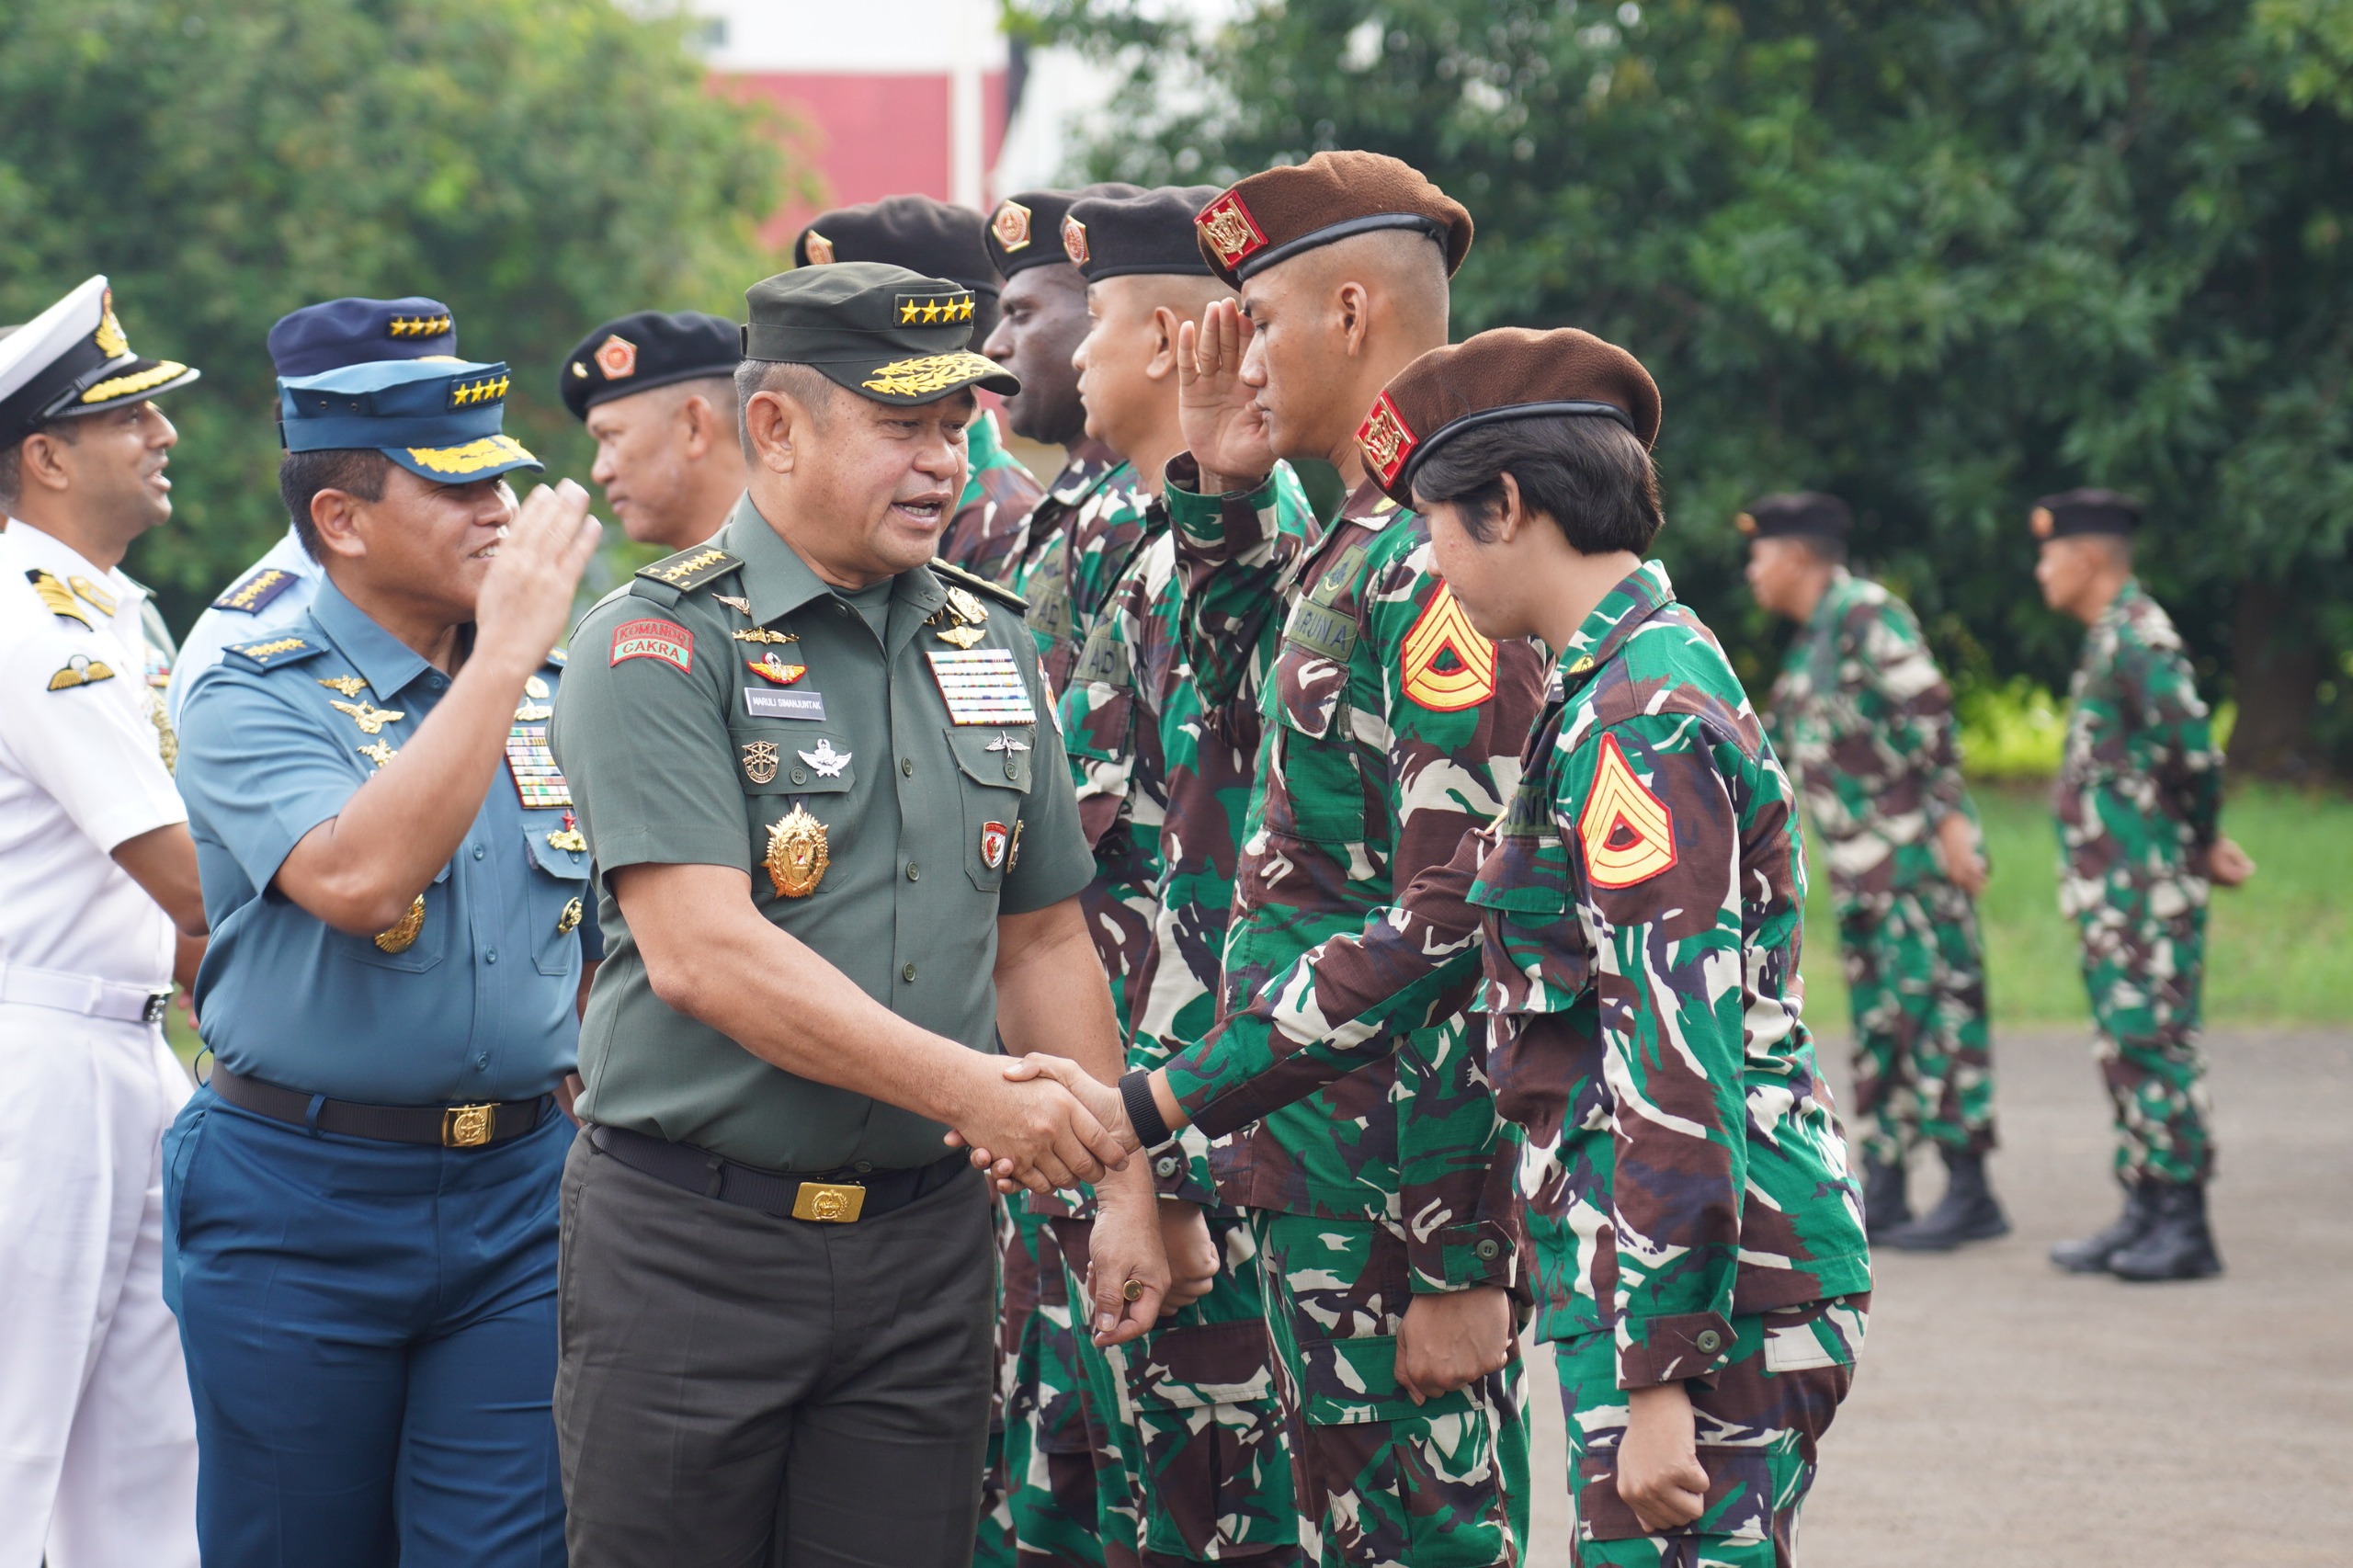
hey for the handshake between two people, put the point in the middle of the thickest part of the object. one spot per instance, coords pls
(1050, 1125)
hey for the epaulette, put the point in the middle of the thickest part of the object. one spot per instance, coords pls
(668, 581)
(557, 657)
(985, 586)
(57, 598)
(273, 653)
(258, 588)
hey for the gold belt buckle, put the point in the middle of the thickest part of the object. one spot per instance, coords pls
(468, 1126)
(832, 1203)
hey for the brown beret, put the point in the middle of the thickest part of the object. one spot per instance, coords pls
(1272, 216)
(1512, 372)
(2084, 512)
(1811, 512)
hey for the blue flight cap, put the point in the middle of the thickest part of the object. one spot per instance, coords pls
(438, 418)
(323, 338)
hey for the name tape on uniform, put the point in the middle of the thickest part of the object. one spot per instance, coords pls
(763, 704)
(663, 640)
(982, 687)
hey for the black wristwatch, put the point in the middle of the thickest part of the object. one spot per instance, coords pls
(1144, 1111)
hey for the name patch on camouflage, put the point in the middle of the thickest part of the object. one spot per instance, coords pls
(663, 640)
(250, 597)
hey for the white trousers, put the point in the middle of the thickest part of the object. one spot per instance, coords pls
(97, 1437)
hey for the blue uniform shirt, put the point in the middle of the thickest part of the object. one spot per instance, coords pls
(271, 596)
(479, 1006)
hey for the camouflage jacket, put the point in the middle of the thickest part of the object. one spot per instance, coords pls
(1391, 729)
(1072, 549)
(1164, 780)
(2139, 792)
(1683, 1159)
(998, 494)
(1863, 720)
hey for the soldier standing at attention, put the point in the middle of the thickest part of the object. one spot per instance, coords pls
(361, 1199)
(840, 862)
(98, 1444)
(941, 241)
(2139, 802)
(657, 395)
(1863, 720)
(1039, 1438)
(1391, 729)
(1634, 918)
(1184, 1421)
(274, 593)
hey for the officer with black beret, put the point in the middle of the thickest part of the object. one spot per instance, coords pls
(657, 391)
(941, 241)
(839, 857)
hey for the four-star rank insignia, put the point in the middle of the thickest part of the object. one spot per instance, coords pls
(798, 854)
(760, 761)
(774, 671)
(1447, 666)
(80, 670)
(1627, 832)
(370, 718)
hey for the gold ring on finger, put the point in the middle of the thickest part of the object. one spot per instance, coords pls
(1133, 1291)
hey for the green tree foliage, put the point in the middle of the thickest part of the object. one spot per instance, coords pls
(541, 164)
(1941, 258)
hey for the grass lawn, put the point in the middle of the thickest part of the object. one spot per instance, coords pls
(2277, 949)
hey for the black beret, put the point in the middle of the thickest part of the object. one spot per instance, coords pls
(912, 231)
(2084, 512)
(1809, 512)
(1281, 212)
(649, 349)
(884, 332)
(1151, 230)
(1025, 229)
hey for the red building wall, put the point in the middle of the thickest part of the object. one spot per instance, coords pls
(868, 136)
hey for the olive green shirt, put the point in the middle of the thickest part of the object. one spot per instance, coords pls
(934, 828)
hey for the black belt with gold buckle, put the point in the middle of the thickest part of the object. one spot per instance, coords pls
(451, 1127)
(832, 1198)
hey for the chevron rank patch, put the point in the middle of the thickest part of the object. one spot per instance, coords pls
(1628, 833)
(983, 685)
(253, 595)
(1447, 666)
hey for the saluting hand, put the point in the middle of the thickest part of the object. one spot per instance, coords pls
(1224, 427)
(526, 600)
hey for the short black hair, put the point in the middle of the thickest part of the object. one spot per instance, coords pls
(357, 471)
(1591, 476)
(12, 458)
(1822, 547)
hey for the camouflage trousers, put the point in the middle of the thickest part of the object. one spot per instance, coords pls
(1758, 1421)
(1038, 1507)
(1916, 979)
(2143, 976)
(1186, 1437)
(1382, 1481)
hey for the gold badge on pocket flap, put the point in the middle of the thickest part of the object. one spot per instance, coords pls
(798, 854)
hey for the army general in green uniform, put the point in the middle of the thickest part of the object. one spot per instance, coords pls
(840, 857)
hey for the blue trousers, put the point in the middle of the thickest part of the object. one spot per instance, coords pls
(371, 1335)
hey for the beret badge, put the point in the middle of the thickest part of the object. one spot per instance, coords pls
(1010, 224)
(1746, 523)
(1385, 439)
(2041, 522)
(1074, 241)
(1231, 231)
(616, 357)
(819, 249)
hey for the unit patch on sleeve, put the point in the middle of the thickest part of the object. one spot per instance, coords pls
(982, 686)
(1628, 833)
(663, 640)
(1447, 666)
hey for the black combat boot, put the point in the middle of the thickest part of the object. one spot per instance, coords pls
(1967, 1212)
(2090, 1256)
(2177, 1245)
(1884, 1204)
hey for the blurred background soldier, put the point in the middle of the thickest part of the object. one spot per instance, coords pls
(363, 1195)
(98, 1444)
(941, 241)
(1862, 719)
(2139, 803)
(657, 394)
(275, 593)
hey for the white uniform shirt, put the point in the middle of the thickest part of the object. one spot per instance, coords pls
(223, 626)
(81, 770)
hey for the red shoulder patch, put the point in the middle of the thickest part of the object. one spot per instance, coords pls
(1447, 666)
(1627, 832)
(663, 640)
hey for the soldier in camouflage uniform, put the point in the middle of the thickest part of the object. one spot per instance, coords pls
(1635, 922)
(1189, 1462)
(941, 241)
(1863, 720)
(2139, 801)
(1390, 729)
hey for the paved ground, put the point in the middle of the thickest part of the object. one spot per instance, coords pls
(2006, 1413)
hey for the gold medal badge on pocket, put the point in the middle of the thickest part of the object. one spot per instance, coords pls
(798, 854)
(401, 936)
